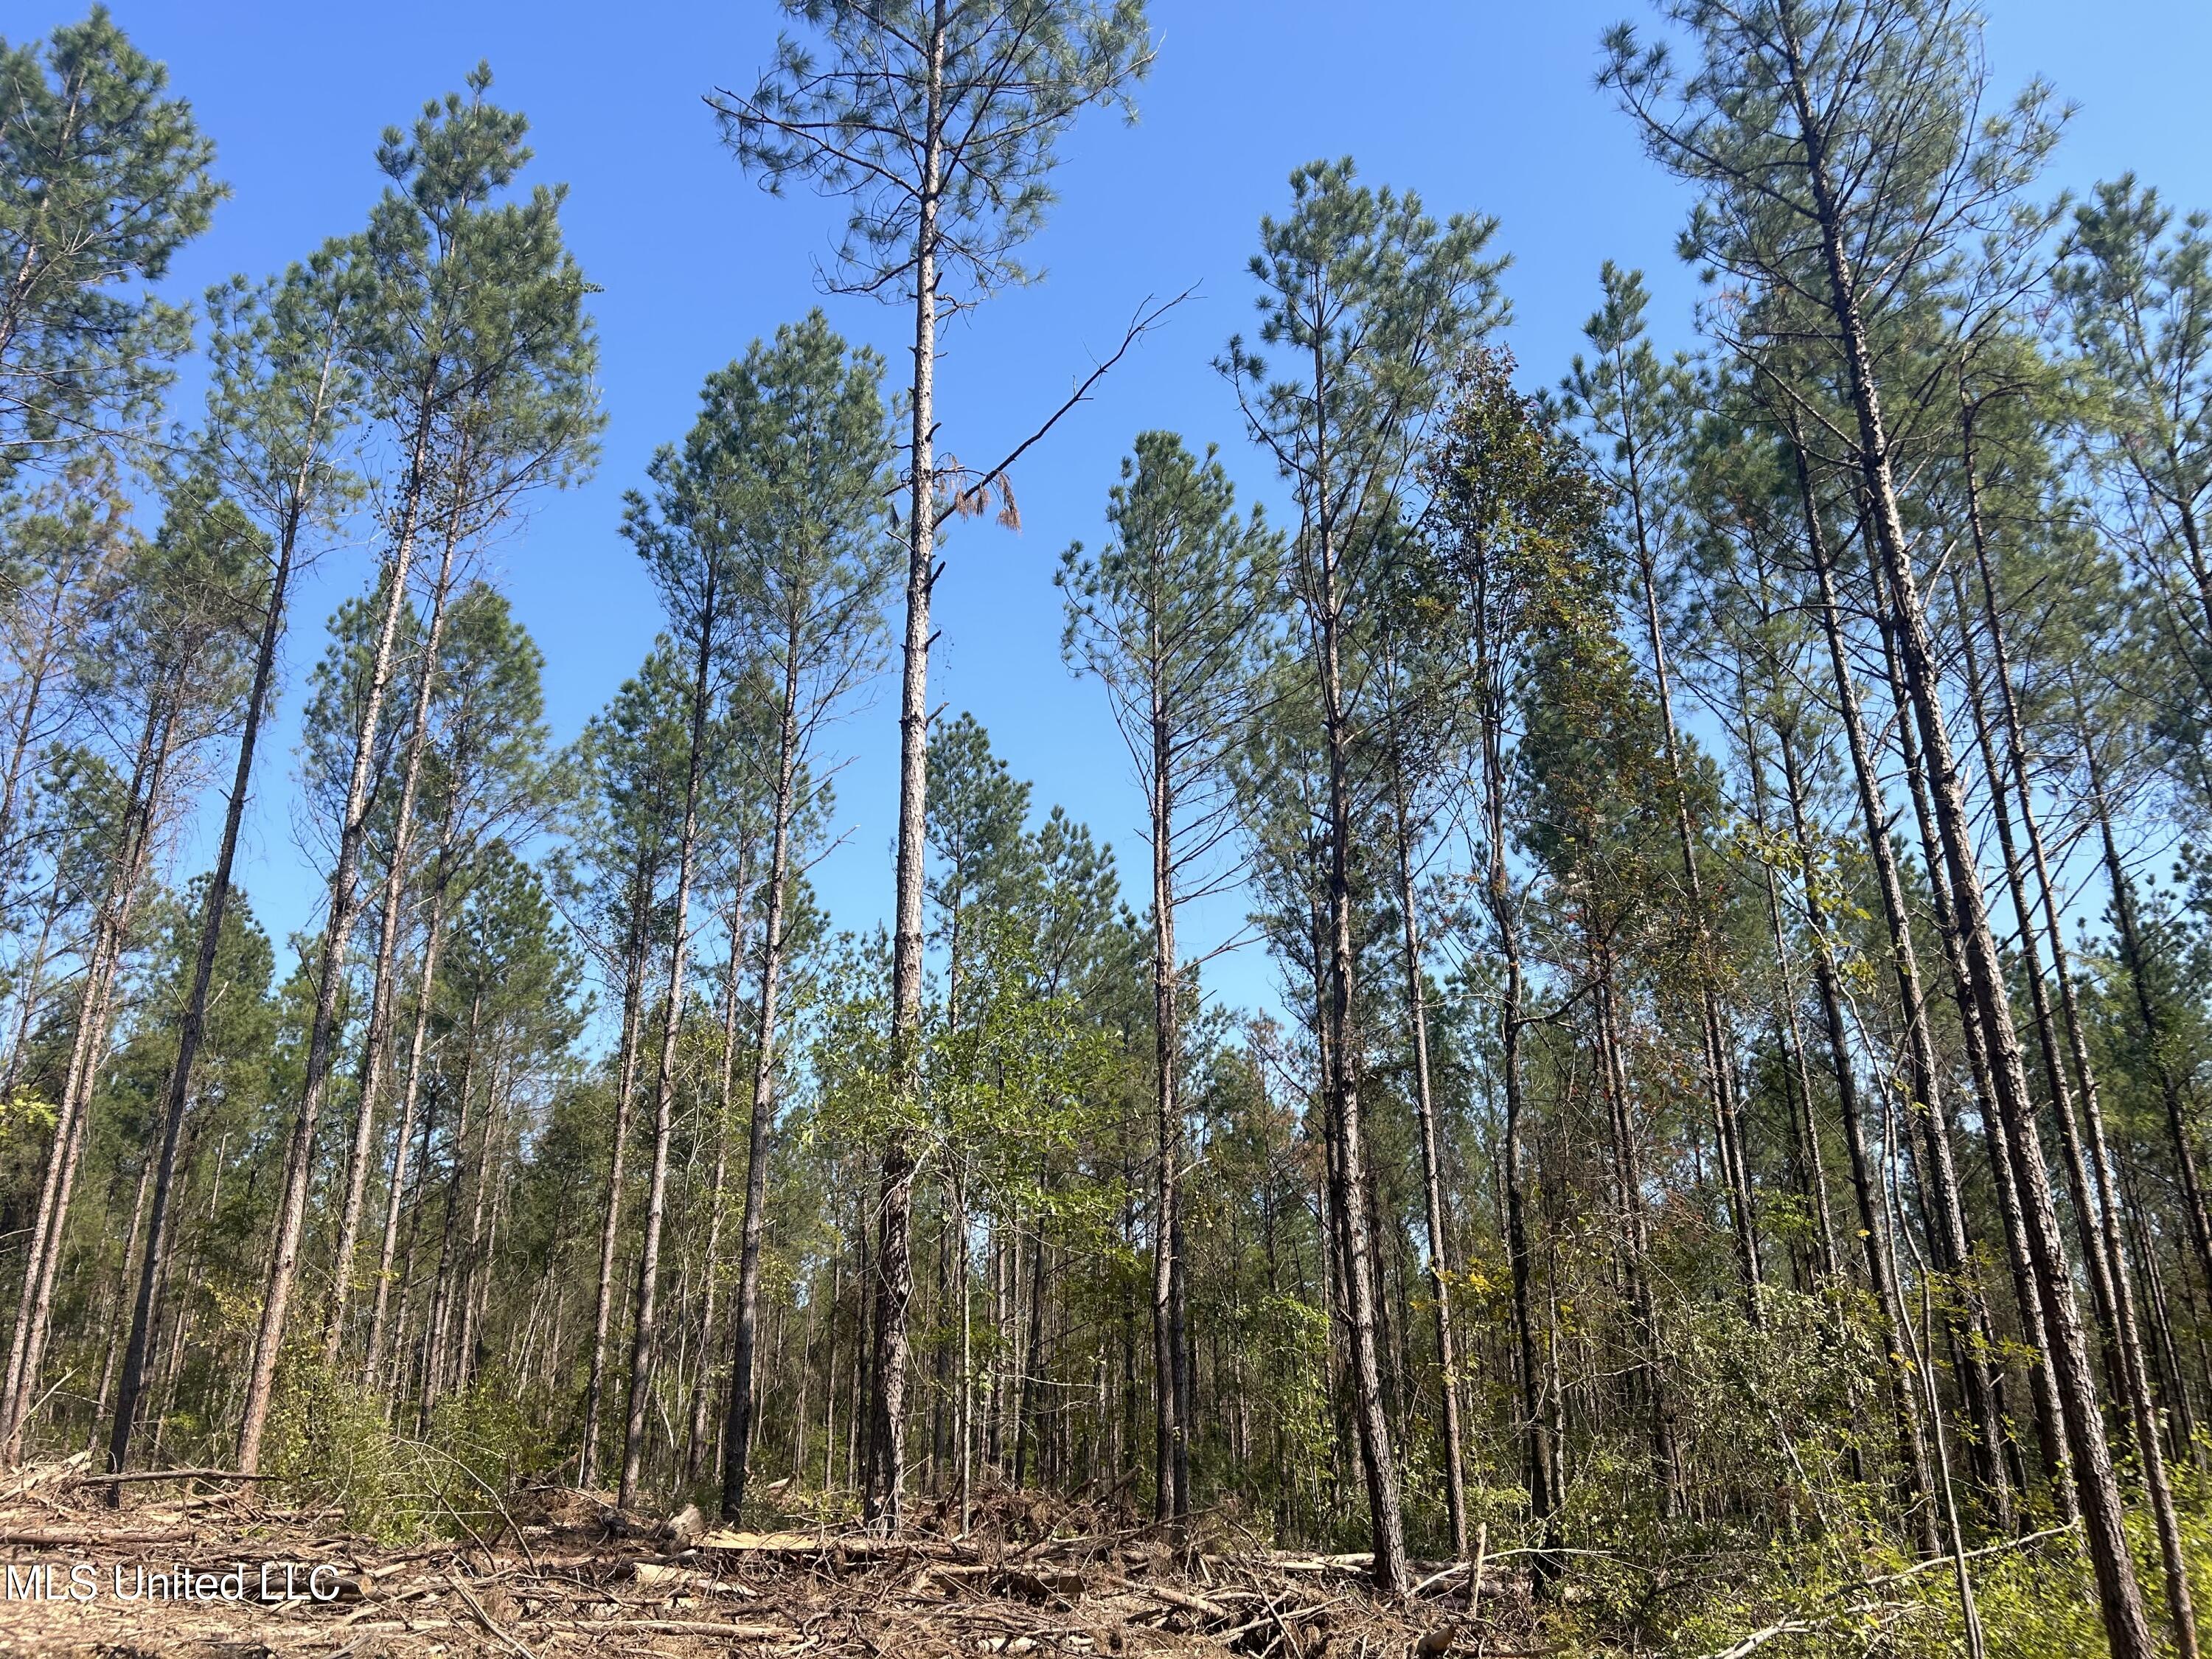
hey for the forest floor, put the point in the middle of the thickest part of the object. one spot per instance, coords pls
(562, 1572)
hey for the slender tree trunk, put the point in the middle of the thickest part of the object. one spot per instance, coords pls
(2150, 1442)
(1417, 1005)
(87, 1039)
(37, 664)
(1537, 1385)
(437, 1322)
(1338, 967)
(95, 1016)
(116, 1334)
(2057, 1462)
(1636, 1240)
(610, 1219)
(739, 1429)
(404, 1280)
(1171, 1425)
(2106, 1240)
(378, 1035)
(664, 1081)
(425, 998)
(1881, 1275)
(2127, 1627)
(1966, 1318)
(966, 1269)
(337, 938)
(191, 1029)
(484, 1219)
(1541, 1471)
(2174, 1383)
(31, 981)
(711, 1258)
(1728, 1123)
(1789, 1030)
(884, 1484)
(2135, 960)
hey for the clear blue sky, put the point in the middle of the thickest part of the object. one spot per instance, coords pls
(1478, 105)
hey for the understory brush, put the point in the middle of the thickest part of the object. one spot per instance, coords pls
(329, 1443)
(1819, 1598)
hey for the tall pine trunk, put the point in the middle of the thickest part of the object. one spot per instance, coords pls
(710, 1257)
(426, 990)
(378, 1038)
(192, 1027)
(96, 1010)
(1966, 1321)
(1881, 1273)
(1170, 1354)
(1432, 1195)
(2106, 1241)
(1728, 1121)
(883, 1481)
(739, 1429)
(642, 1353)
(330, 971)
(634, 946)
(2120, 1594)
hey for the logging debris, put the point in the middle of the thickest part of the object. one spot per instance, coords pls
(565, 1573)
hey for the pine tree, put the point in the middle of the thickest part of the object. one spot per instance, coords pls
(1169, 616)
(474, 341)
(103, 177)
(1367, 299)
(278, 413)
(939, 121)
(807, 429)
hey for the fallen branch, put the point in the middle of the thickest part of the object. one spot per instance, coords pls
(2004, 1548)
(40, 1474)
(485, 1620)
(678, 1627)
(62, 1538)
(818, 1545)
(674, 1580)
(1174, 1598)
(130, 1476)
(1800, 1625)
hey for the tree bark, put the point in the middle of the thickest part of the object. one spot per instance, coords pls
(2135, 958)
(1170, 1356)
(438, 1318)
(1813, 1174)
(378, 1038)
(1636, 1239)
(883, 1486)
(610, 1218)
(337, 936)
(95, 1014)
(192, 1027)
(1966, 1319)
(1416, 1007)
(1728, 1123)
(426, 993)
(710, 1257)
(739, 1429)
(1881, 1274)
(2107, 1241)
(664, 1080)
(2120, 1594)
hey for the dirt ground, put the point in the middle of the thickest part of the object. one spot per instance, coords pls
(198, 1566)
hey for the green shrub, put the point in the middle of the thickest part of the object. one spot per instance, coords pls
(329, 1443)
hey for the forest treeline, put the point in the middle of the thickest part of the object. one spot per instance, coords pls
(1725, 825)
